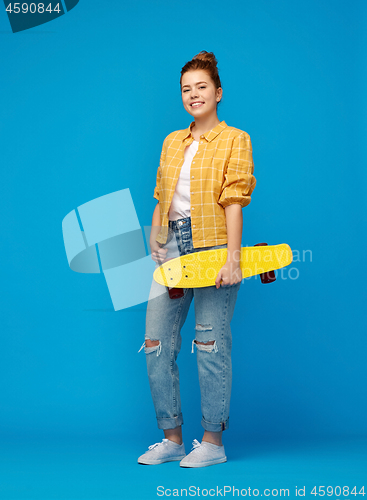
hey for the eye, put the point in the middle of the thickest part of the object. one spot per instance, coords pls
(202, 87)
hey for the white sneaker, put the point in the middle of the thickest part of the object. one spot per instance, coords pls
(204, 454)
(166, 451)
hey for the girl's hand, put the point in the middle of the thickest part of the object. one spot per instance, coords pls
(230, 273)
(158, 253)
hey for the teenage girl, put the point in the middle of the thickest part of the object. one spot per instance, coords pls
(204, 179)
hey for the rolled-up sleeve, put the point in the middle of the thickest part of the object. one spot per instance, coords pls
(159, 171)
(239, 181)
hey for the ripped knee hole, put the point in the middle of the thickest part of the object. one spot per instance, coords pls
(202, 328)
(210, 346)
(151, 346)
(151, 343)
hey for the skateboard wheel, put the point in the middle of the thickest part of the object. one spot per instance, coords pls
(268, 277)
(175, 293)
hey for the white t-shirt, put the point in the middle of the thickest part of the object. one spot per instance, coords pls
(180, 205)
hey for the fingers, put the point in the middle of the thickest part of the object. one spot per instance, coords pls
(159, 255)
(225, 278)
(218, 279)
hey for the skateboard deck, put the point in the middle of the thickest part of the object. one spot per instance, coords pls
(200, 269)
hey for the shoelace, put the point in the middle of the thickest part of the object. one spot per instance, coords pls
(195, 444)
(156, 444)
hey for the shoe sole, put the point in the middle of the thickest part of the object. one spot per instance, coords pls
(204, 464)
(157, 462)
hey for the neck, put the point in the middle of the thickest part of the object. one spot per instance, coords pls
(203, 125)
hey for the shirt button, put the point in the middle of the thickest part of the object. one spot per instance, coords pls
(193, 162)
(192, 208)
(194, 225)
(192, 177)
(192, 192)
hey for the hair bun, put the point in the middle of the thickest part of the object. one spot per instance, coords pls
(207, 57)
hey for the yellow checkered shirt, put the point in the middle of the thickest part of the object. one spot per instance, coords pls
(221, 174)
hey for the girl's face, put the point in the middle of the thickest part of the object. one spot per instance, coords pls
(198, 87)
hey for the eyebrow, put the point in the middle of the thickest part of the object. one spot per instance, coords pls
(197, 83)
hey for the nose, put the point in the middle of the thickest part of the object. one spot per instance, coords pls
(194, 94)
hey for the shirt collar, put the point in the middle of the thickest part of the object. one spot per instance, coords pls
(209, 136)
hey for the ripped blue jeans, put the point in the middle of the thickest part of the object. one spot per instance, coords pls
(164, 320)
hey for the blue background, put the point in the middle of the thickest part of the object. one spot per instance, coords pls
(86, 102)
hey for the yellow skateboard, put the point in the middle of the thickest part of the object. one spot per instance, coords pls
(200, 269)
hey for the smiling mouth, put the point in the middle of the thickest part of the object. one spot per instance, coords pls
(197, 104)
